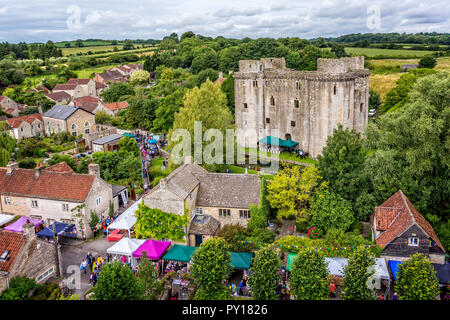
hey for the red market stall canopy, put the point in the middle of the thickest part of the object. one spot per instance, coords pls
(154, 248)
(18, 225)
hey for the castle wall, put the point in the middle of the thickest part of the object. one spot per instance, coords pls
(266, 93)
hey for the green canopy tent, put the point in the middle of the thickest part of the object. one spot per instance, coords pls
(290, 261)
(179, 253)
(277, 142)
(128, 135)
(241, 260)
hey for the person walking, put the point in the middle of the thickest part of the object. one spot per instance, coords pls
(83, 265)
(241, 288)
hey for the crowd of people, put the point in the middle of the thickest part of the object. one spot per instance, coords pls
(93, 264)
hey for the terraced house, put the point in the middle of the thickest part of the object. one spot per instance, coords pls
(55, 193)
(26, 127)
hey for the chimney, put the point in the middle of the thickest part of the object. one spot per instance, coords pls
(38, 169)
(187, 159)
(11, 166)
(29, 231)
(94, 169)
(220, 75)
(40, 110)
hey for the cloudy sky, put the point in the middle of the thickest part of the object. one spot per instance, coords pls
(57, 20)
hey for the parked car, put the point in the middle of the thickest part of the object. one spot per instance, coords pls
(372, 112)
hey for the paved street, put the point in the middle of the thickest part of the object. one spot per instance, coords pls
(72, 253)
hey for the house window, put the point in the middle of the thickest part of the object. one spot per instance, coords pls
(296, 103)
(199, 210)
(267, 120)
(244, 214)
(74, 126)
(39, 125)
(255, 83)
(34, 204)
(272, 101)
(86, 124)
(45, 274)
(414, 242)
(21, 129)
(74, 133)
(98, 201)
(245, 106)
(224, 212)
(7, 200)
(292, 123)
(86, 131)
(65, 207)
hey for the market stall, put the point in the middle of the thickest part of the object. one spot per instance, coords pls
(179, 253)
(18, 225)
(241, 260)
(5, 218)
(61, 229)
(126, 220)
(126, 247)
(154, 248)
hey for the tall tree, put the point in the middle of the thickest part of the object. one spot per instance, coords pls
(117, 282)
(211, 266)
(309, 278)
(416, 279)
(264, 274)
(357, 275)
(148, 279)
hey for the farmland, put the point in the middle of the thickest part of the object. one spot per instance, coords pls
(373, 52)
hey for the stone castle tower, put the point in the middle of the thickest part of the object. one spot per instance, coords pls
(304, 106)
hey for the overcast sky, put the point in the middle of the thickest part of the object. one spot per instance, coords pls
(57, 20)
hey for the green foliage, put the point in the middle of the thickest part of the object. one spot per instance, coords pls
(116, 91)
(257, 219)
(117, 282)
(27, 163)
(211, 266)
(309, 278)
(427, 62)
(264, 274)
(94, 220)
(442, 228)
(374, 100)
(140, 77)
(228, 88)
(57, 158)
(416, 279)
(4, 157)
(154, 223)
(330, 211)
(234, 235)
(19, 288)
(141, 112)
(205, 74)
(129, 145)
(101, 117)
(148, 279)
(357, 275)
(10, 73)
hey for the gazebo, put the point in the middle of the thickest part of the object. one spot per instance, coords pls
(154, 248)
(241, 260)
(127, 219)
(179, 253)
(276, 144)
(18, 225)
(126, 247)
(61, 229)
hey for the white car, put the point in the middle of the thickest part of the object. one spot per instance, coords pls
(372, 112)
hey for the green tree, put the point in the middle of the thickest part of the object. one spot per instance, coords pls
(186, 35)
(117, 282)
(5, 155)
(57, 158)
(330, 211)
(290, 191)
(205, 74)
(19, 288)
(228, 88)
(129, 145)
(374, 100)
(116, 91)
(128, 45)
(416, 279)
(357, 275)
(94, 220)
(102, 117)
(309, 278)
(27, 163)
(211, 266)
(148, 279)
(427, 62)
(154, 223)
(141, 77)
(264, 274)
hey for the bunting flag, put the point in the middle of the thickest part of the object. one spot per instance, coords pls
(281, 246)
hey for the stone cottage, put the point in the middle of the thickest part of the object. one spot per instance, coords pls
(72, 119)
(26, 126)
(24, 254)
(55, 193)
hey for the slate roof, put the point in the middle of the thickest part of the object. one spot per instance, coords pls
(13, 242)
(108, 139)
(116, 189)
(395, 216)
(182, 180)
(204, 224)
(227, 190)
(61, 112)
(49, 185)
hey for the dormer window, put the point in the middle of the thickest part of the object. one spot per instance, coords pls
(5, 256)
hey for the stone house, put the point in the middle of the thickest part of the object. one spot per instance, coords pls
(55, 193)
(7, 103)
(26, 126)
(402, 231)
(73, 89)
(24, 254)
(69, 118)
(110, 76)
(60, 97)
(114, 108)
(90, 103)
(302, 106)
(87, 86)
(220, 198)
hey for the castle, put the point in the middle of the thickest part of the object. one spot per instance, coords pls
(302, 106)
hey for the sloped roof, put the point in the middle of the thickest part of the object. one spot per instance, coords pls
(60, 167)
(13, 242)
(117, 105)
(108, 139)
(49, 185)
(15, 122)
(182, 180)
(68, 86)
(61, 112)
(57, 96)
(78, 81)
(100, 85)
(228, 190)
(88, 103)
(204, 224)
(396, 215)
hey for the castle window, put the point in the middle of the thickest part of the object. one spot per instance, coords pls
(260, 67)
(296, 103)
(334, 90)
(361, 107)
(267, 120)
(255, 83)
(298, 85)
(245, 106)
(292, 123)
(272, 101)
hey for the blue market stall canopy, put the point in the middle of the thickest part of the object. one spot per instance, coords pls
(61, 229)
(153, 141)
(394, 267)
(128, 135)
(442, 273)
(241, 260)
(277, 142)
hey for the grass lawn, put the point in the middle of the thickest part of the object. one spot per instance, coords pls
(372, 52)
(237, 169)
(155, 169)
(382, 83)
(282, 156)
(75, 50)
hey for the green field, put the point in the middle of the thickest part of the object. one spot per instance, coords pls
(372, 52)
(75, 50)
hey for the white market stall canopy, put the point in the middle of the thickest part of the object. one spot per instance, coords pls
(127, 219)
(5, 218)
(125, 246)
(336, 267)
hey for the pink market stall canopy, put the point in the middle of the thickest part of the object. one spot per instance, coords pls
(18, 225)
(154, 248)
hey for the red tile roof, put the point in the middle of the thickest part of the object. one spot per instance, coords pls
(100, 85)
(87, 103)
(60, 167)
(70, 86)
(117, 105)
(49, 185)
(58, 96)
(78, 81)
(395, 216)
(10, 110)
(13, 242)
(221, 80)
(15, 122)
